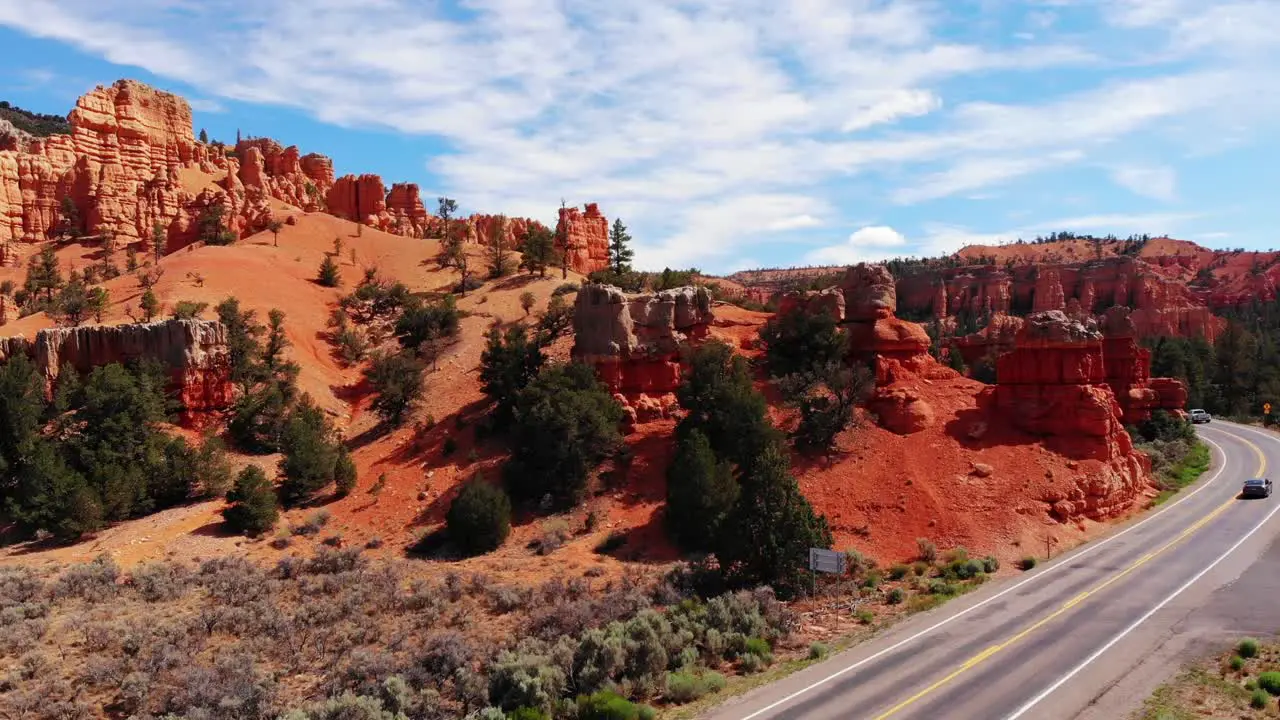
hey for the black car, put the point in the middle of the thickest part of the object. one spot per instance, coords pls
(1256, 487)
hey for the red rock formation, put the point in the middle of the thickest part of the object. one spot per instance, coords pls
(1128, 372)
(482, 228)
(830, 301)
(1054, 385)
(194, 352)
(360, 199)
(1048, 292)
(634, 341)
(281, 174)
(408, 215)
(1163, 305)
(586, 235)
(991, 341)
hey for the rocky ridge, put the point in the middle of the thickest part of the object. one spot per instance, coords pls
(122, 167)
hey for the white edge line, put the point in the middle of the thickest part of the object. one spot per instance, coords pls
(1098, 653)
(1062, 562)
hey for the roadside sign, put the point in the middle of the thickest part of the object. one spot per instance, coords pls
(826, 561)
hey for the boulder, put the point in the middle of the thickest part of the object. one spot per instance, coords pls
(902, 411)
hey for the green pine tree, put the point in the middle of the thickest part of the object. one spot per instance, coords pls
(620, 252)
(251, 505)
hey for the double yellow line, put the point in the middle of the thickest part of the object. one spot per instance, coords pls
(985, 654)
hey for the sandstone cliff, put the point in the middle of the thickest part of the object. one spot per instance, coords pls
(1054, 385)
(586, 235)
(123, 163)
(194, 352)
(1162, 305)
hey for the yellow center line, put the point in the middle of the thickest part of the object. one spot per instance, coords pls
(982, 656)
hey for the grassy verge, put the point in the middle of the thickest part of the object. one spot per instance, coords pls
(944, 585)
(1176, 468)
(1240, 683)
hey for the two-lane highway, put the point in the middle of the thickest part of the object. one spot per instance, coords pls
(1045, 644)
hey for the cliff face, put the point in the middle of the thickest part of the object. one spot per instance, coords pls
(194, 352)
(586, 234)
(634, 341)
(1162, 305)
(1055, 385)
(122, 166)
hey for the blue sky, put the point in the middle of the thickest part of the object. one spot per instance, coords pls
(730, 134)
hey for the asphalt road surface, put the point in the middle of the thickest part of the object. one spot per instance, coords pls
(1084, 636)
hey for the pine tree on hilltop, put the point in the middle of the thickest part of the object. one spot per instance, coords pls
(620, 254)
(204, 136)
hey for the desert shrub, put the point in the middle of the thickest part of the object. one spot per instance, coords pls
(344, 473)
(526, 713)
(1236, 663)
(566, 423)
(1247, 648)
(750, 663)
(189, 309)
(1270, 681)
(159, 581)
(941, 587)
(990, 564)
(479, 518)
(347, 706)
(613, 541)
(252, 507)
(329, 561)
(928, 552)
(93, 581)
(684, 687)
(517, 680)
(818, 650)
(1259, 699)
(565, 289)
(898, 571)
(606, 705)
(896, 596)
(1028, 562)
(397, 379)
(312, 525)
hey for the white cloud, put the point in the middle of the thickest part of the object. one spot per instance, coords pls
(716, 127)
(873, 242)
(1157, 183)
(892, 106)
(980, 173)
(206, 105)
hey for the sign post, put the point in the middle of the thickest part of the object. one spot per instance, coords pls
(829, 562)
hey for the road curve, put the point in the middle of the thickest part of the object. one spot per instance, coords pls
(1048, 643)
